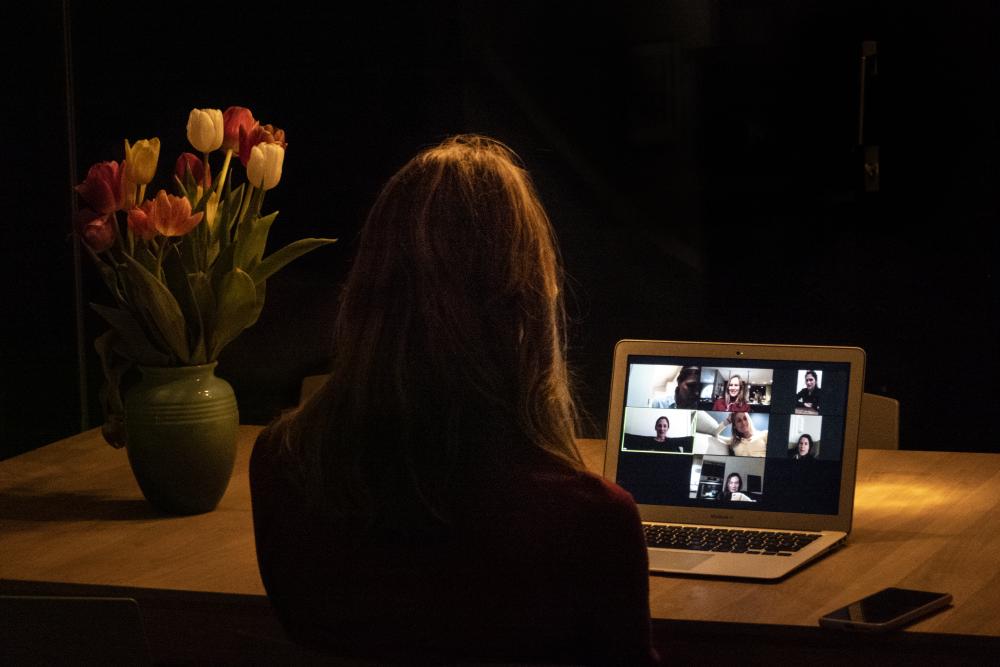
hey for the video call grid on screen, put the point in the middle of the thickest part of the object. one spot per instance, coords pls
(677, 444)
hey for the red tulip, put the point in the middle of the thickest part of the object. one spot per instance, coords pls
(103, 188)
(167, 214)
(190, 162)
(259, 134)
(235, 120)
(96, 230)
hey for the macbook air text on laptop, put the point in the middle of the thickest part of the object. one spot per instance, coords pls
(741, 458)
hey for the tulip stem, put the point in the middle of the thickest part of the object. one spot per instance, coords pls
(118, 232)
(259, 203)
(246, 203)
(222, 174)
(159, 257)
(207, 177)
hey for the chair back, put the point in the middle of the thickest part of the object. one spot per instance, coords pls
(879, 422)
(310, 385)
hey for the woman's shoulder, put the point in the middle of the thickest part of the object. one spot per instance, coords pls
(266, 448)
(584, 493)
(271, 467)
(607, 493)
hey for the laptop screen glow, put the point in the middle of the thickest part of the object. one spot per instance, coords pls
(760, 435)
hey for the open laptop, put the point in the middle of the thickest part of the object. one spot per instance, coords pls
(741, 458)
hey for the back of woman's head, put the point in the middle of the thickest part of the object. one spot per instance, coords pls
(449, 344)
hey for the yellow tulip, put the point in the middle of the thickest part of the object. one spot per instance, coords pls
(264, 167)
(140, 160)
(212, 210)
(205, 129)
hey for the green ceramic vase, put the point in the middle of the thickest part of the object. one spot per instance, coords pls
(181, 426)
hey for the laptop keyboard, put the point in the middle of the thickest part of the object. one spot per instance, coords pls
(733, 540)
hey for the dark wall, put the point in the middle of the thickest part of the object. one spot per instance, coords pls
(38, 369)
(699, 160)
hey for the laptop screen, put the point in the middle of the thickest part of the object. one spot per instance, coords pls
(761, 435)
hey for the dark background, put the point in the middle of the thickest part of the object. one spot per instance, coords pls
(700, 162)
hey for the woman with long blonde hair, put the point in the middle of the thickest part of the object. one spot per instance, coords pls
(429, 501)
(745, 440)
(735, 397)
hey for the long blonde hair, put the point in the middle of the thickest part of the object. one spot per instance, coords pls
(449, 346)
(751, 429)
(741, 398)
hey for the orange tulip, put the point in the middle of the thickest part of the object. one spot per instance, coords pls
(169, 215)
(141, 224)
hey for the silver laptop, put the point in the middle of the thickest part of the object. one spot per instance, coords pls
(741, 458)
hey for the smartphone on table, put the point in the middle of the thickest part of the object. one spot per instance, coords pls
(888, 609)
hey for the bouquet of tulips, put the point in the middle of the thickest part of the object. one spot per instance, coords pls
(187, 271)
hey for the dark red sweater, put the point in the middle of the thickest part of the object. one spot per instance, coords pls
(543, 563)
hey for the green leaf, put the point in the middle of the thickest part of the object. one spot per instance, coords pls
(280, 258)
(187, 250)
(107, 273)
(223, 265)
(163, 309)
(233, 201)
(177, 282)
(236, 297)
(259, 305)
(133, 339)
(180, 188)
(195, 246)
(200, 204)
(251, 239)
(145, 256)
(115, 363)
(201, 287)
(141, 315)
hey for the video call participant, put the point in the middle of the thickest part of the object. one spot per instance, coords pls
(804, 450)
(734, 488)
(746, 440)
(428, 503)
(809, 397)
(680, 445)
(687, 392)
(735, 398)
(662, 426)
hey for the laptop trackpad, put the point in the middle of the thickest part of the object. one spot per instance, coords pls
(675, 560)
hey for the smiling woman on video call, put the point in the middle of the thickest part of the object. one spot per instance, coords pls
(735, 397)
(429, 502)
(746, 440)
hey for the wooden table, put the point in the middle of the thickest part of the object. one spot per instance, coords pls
(72, 517)
(72, 512)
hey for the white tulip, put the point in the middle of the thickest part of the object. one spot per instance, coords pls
(264, 166)
(205, 129)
